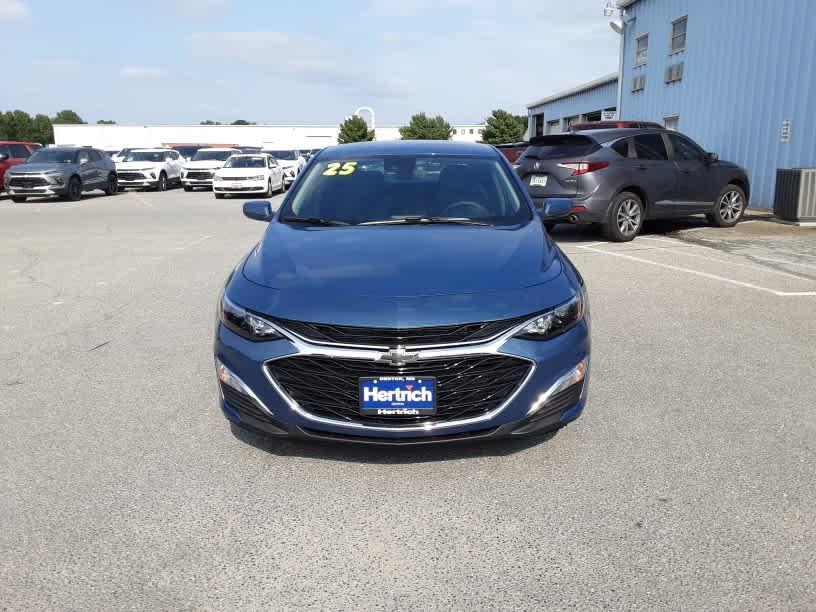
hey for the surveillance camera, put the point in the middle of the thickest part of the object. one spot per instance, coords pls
(609, 10)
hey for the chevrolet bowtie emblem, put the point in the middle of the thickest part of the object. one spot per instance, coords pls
(398, 357)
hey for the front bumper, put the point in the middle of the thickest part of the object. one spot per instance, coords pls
(256, 401)
(239, 187)
(40, 185)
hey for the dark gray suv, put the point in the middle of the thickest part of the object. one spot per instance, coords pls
(618, 178)
(62, 171)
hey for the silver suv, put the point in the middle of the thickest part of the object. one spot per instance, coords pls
(62, 171)
(618, 178)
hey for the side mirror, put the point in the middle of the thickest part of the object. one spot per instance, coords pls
(259, 210)
(3, 157)
(556, 208)
(712, 158)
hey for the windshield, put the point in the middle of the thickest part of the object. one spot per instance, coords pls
(53, 156)
(394, 187)
(246, 162)
(205, 155)
(187, 151)
(146, 156)
(282, 154)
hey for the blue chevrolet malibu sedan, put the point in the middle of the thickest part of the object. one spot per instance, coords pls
(405, 292)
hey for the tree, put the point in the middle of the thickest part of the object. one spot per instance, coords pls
(503, 127)
(67, 116)
(210, 122)
(42, 130)
(17, 125)
(242, 122)
(354, 129)
(106, 122)
(422, 127)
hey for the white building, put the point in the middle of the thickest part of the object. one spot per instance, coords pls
(111, 137)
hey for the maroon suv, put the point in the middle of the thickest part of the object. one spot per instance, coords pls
(13, 153)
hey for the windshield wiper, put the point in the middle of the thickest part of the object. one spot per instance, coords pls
(313, 220)
(426, 221)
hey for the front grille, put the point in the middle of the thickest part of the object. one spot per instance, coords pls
(228, 179)
(467, 386)
(382, 337)
(28, 182)
(130, 176)
(199, 175)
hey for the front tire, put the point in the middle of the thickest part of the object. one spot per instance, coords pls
(219, 196)
(74, 192)
(18, 199)
(113, 185)
(162, 184)
(729, 208)
(624, 218)
(186, 188)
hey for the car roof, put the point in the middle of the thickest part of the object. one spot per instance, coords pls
(152, 150)
(409, 147)
(606, 134)
(217, 149)
(258, 154)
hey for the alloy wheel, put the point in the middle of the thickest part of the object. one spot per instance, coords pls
(731, 206)
(628, 217)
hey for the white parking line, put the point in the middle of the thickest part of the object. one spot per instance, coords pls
(784, 261)
(685, 252)
(723, 279)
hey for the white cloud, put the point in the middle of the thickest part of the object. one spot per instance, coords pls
(141, 72)
(295, 57)
(13, 10)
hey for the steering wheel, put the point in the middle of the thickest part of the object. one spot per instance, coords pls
(465, 208)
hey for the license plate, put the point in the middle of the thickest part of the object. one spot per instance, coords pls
(398, 396)
(235, 186)
(538, 181)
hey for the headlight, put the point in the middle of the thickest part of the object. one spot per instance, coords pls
(259, 177)
(218, 179)
(244, 323)
(556, 321)
(183, 174)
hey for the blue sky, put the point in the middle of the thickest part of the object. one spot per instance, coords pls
(273, 61)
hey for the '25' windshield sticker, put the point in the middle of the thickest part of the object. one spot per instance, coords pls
(338, 169)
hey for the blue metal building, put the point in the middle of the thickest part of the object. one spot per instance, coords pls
(583, 103)
(738, 76)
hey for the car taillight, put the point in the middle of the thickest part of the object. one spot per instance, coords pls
(583, 167)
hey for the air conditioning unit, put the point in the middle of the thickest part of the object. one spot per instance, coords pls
(674, 72)
(795, 194)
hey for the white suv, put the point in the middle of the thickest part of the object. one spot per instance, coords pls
(250, 173)
(149, 168)
(199, 171)
(290, 160)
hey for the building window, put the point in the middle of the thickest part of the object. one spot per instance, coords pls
(674, 72)
(553, 127)
(639, 83)
(471, 130)
(539, 125)
(454, 131)
(641, 49)
(672, 122)
(678, 35)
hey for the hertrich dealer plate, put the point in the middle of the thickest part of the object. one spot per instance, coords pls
(398, 396)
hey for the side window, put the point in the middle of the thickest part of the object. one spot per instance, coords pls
(18, 151)
(83, 157)
(4, 150)
(650, 146)
(684, 149)
(621, 147)
(94, 156)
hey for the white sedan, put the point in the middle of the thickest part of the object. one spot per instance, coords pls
(250, 173)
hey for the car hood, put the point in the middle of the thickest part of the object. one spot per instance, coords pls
(21, 168)
(204, 165)
(136, 165)
(400, 261)
(396, 276)
(230, 172)
(287, 163)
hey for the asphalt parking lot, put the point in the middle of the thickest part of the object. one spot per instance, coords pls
(688, 482)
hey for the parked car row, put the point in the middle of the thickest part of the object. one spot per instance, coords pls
(620, 174)
(69, 171)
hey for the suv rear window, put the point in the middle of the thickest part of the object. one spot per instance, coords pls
(561, 145)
